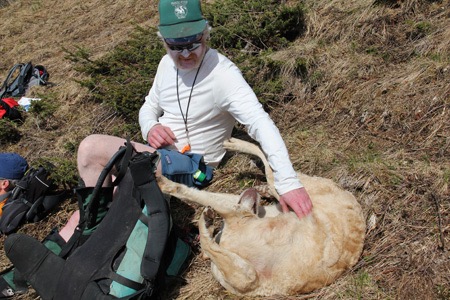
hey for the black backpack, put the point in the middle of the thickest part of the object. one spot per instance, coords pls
(21, 77)
(89, 269)
(33, 197)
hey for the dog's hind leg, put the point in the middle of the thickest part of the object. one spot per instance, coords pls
(238, 145)
(232, 271)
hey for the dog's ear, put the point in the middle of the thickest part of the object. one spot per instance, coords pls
(250, 199)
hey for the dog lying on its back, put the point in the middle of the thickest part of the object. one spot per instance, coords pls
(261, 251)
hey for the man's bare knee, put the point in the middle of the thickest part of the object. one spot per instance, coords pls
(97, 149)
(86, 149)
(94, 153)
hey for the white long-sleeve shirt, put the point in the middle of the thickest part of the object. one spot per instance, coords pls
(220, 97)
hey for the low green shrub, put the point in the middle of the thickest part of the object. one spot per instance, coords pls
(122, 78)
(9, 133)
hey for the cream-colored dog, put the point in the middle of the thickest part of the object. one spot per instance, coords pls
(261, 251)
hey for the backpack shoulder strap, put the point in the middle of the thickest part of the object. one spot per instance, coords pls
(124, 154)
(158, 220)
(8, 77)
(89, 213)
(25, 74)
(17, 86)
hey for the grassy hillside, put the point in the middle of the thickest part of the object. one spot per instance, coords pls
(362, 96)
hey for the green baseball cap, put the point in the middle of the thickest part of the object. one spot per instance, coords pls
(180, 18)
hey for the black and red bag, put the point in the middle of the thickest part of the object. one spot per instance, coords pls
(8, 109)
(18, 81)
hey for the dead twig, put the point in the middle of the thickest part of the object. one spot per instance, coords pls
(441, 234)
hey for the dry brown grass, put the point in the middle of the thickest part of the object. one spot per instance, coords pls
(373, 116)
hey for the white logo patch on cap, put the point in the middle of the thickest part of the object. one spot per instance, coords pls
(180, 9)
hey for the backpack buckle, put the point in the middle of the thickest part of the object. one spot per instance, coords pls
(149, 288)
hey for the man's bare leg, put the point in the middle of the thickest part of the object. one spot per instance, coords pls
(68, 229)
(94, 153)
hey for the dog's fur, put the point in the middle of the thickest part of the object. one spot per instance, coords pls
(261, 251)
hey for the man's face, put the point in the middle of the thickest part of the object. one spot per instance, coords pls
(187, 54)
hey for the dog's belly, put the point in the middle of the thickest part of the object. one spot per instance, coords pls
(278, 249)
(292, 255)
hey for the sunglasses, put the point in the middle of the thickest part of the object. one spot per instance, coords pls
(188, 47)
(189, 43)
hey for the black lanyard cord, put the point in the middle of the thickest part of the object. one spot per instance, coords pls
(185, 118)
